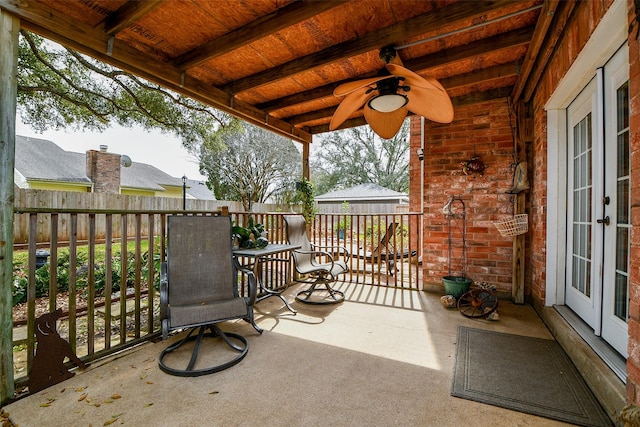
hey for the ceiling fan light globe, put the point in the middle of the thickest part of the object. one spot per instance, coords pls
(388, 103)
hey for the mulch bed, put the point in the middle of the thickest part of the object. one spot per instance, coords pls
(20, 311)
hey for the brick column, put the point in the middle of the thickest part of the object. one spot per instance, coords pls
(103, 169)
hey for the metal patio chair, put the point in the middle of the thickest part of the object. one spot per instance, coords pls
(318, 262)
(199, 289)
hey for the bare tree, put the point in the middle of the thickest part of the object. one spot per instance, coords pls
(251, 164)
(356, 156)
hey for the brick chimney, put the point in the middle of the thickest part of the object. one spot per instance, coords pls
(103, 169)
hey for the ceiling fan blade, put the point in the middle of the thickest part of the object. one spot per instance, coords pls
(386, 125)
(349, 105)
(346, 88)
(414, 80)
(434, 105)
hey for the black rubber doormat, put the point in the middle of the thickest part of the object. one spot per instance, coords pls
(525, 374)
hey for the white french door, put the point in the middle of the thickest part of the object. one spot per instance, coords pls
(584, 251)
(598, 208)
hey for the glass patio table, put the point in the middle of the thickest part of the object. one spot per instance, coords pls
(257, 258)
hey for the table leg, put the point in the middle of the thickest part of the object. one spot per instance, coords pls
(257, 270)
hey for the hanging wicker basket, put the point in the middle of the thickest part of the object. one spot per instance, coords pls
(514, 226)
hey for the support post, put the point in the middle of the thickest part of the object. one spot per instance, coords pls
(306, 173)
(524, 135)
(9, 28)
(517, 288)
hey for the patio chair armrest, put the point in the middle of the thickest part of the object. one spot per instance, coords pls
(318, 253)
(331, 249)
(251, 280)
(314, 252)
(164, 291)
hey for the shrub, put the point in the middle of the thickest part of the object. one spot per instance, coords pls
(21, 281)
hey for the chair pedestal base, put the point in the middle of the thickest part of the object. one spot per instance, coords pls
(215, 332)
(320, 293)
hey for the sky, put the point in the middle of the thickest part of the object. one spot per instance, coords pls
(163, 151)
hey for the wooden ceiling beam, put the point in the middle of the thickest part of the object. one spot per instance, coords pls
(287, 16)
(85, 39)
(351, 123)
(539, 33)
(507, 40)
(561, 18)
(437, 19)
(480, 76)
(300, 97)
(487, 95)
(126, 15)
(325, 113)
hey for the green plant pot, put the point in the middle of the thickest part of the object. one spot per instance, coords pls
(456, 285)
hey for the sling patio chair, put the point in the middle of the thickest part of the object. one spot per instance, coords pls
(317, 262)
(386, 251)
(198, 290)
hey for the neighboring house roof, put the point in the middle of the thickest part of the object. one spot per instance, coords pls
(142, 175)
(363, 193)
(199, 190)
(42, 160)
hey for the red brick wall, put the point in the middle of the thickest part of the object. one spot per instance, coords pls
(482, 130)
(103, 169)
(633, 361)
(585, 18)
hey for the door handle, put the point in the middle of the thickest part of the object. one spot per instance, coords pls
(606, 220)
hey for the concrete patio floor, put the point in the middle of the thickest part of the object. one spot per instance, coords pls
(383, 357)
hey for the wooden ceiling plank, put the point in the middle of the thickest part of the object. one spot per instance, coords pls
(126, 15)
(539, 33)
(289, 15)
(49, 24)
(393, 34)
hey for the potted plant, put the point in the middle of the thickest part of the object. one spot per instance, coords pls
(251, 236)
(456, 285)
(305, 191)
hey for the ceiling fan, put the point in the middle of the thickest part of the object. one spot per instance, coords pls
(388, 97)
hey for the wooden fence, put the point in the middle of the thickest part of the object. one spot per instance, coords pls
(66, 202)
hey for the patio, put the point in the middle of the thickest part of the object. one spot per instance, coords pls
(383, 357)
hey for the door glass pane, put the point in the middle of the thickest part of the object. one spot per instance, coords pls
(622, 244)
(623, 201)
(623, 107)
(623, 205)
(581, 271)
(623, 154)
(620, 303)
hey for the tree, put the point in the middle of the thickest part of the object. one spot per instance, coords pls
(358, 156)
(249, 163)
(60, 88)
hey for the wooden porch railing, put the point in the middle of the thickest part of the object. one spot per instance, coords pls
(111, 302)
